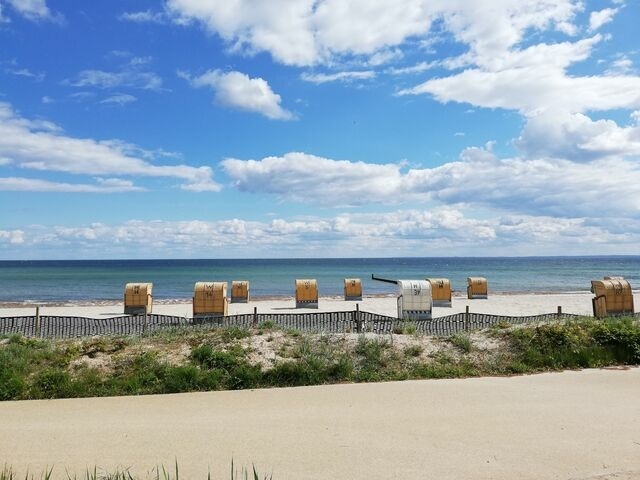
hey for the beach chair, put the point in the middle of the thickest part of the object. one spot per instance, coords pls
(210, 299)
(239, 291)
(477, 287)
(306, 293)
(440, 291)
(352, 289)
(613, 296)
(138, 299)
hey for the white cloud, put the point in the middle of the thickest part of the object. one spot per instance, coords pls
(237, 90)
(302, 177)
(400, 232)
(281, 27)
(543, 186)
(25, 72)
(120, 99)
(531, 90)
(534, 80)
(40, 145)
(599, 18)
(146, 16)
(319, 78)
(19, 184)
(576, 137)
(34, 10)
(417, 68)
(125, 78)
(13, 237)
(622, 65)
(309, 32)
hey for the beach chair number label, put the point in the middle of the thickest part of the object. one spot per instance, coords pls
(136, 290)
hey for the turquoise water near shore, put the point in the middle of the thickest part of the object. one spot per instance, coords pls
(100, 280)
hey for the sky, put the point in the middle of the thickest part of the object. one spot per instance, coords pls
(319, 128)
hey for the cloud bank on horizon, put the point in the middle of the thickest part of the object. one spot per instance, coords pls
(193, 128)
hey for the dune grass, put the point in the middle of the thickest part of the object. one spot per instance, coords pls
(226, 359)
(157, 473)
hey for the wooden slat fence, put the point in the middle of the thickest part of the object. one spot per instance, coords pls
(47, 326)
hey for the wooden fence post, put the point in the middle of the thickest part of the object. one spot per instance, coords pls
(466, 319)
(358, 321)
(146, 322)
(559, 314)
(255, 316)
(37, 321)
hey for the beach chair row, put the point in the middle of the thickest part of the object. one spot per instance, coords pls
(210, 298)
(613, 295)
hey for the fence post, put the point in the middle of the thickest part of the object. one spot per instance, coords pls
(146, 322)
(466, 319)
(559, 314)
(255, 316)
(37, 321)
(358, 321)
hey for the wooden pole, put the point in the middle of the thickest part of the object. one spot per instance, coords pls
(466, 318)
(37, 321)
(255, 316)
(559, 314)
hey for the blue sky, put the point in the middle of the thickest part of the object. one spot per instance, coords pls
(288, 128)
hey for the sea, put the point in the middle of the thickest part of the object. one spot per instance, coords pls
(88, 281)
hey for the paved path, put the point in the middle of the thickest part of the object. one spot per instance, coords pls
(571, 425)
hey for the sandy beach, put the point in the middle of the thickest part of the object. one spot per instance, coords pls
(570, 425)
(498, 304)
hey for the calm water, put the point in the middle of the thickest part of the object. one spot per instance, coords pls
(52, 281)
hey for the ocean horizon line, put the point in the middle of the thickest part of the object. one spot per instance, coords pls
(462, 257)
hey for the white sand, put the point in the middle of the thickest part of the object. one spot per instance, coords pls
(517, 304)
(571, 425)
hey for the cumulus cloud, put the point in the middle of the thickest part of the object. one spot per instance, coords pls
(13, 237)
(41, 145)
(35, 10)
(310, 32)
(576, 137)
(399, 232)
(238, 90)
(599, 18)
(534, 80)
(319, 78)
(302, 177)
(544, 186)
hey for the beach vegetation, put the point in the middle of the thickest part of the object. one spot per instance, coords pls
(267, 325)
(462, 340)
(229, 358)
(157, 473)
(413, 350)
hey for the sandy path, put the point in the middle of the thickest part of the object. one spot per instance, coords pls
(517, 304)
(571, 425)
